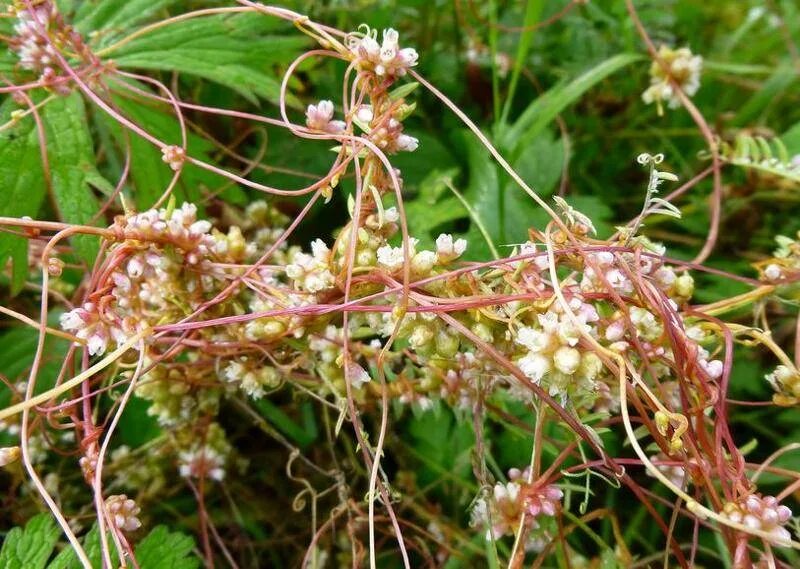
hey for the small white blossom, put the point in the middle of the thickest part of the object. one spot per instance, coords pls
(682, 67)
(175, 156)
(773, 272)
(8, 455)
(761, 513)
(448, 249)
(123, 512)
(320, 117)
(385, 60)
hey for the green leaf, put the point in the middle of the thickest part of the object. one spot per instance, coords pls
(285, 424)
(443, 443)
(547, 107)
(115, 16)
(67, 559)
(540, 164)
(149, 174)
(22, 186)
(234, 51)
(162, 549)
(30, 548)
(791, 139)
(70, 154)
(766, 96)
(429, 209)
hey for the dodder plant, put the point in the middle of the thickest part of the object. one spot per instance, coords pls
(204, 310)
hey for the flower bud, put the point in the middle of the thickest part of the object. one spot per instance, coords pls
(567, 360)
(446, 344)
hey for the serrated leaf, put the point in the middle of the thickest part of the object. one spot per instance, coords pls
(22, 186)
(443, 443)
(149, 174)
(162, 549)
(115, 16)
(71, 158)
(67, 559)
(234, 51)
(31, 547)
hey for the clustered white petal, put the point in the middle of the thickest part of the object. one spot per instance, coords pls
(682, 67)
(320, 117)
(763, 513)
(123, 512)
(312, 273)
(509, 503)
(386, 59)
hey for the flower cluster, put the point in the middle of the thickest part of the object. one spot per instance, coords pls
(785, 265)
(785, 381)
(514, 502)
(123, 512)
(320, 117)
(387, 132)
(762, 513)
(673, 65)
(252, 377)
(552, 352)
(311, 273)
(143, 281)
(40, 33)
(207, 457)
(386, 59)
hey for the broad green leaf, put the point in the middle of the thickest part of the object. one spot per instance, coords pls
(162, 549)
(17, 348)
(31, 547)
(791, 139)
(149, 174)
(115, 16)
(443, 443)
(433, 206)
(545, 108)
(22, 186)
(234, 51)
(540, 164)
(71, 158)
(91, 545)
(285, 424)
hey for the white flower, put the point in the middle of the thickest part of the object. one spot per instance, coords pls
(202, 462)
(567, 360)
(386, 59)
(534, 365)
(364, 114)
(97, 343)
(533, 339)
(123, 512)
(773, 272)
(448, 249)
(407, 143)
(713, 368)
(423, 262)
(319, 117)
(8, 455)
(312, 272)
(358, 375)
(391, 215)
(678, 65)
(72, 320)
(392, 257)
(173, 155)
